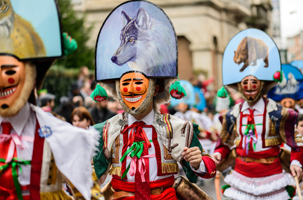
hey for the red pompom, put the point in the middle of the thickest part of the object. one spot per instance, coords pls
(99, 98)
(176, 95)
(277, 75)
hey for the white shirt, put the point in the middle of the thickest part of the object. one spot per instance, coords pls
(153, 168)
(258, 118)
(18, 122)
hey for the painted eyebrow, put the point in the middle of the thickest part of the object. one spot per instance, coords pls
(137, 79)
(7, 66)
(127, 80)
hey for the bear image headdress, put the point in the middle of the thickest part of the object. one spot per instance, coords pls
(137, 36)
(250, 52)
(31, 31)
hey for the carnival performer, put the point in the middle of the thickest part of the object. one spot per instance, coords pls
(140, 148)
(36, 149)
(253, 131)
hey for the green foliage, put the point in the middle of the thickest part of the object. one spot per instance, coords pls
(74, 26)
(58, 81)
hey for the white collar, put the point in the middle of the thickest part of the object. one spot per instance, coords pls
(259, 106)
(18, 121)
(148, 119)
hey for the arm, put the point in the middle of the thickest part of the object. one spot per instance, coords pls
(194, 162)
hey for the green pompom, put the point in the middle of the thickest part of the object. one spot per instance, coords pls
(99, 94)
(224, 187)
(222, 92)
(70, 44)
(177, 91)
(291, 190)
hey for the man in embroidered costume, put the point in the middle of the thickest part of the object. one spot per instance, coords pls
(140, 148)
(253, 131)
(36, 149)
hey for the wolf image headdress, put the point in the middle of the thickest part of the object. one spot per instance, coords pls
(137, 36)
(250, 52)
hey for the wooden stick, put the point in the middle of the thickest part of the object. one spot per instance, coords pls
(298, 188)
(217, 185)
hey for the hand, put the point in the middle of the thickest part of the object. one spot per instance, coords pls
(217, 158)
(193, 156)
(295, 170)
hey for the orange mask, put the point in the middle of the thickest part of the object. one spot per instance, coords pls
(12, 80)
(133, 88)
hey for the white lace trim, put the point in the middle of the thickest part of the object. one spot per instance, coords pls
(234, 194)
(255, 185)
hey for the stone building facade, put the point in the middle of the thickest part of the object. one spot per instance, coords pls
(203, 27)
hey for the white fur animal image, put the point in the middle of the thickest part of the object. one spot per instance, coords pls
(146, 45)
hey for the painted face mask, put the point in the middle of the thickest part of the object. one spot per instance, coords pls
(251, 87)
(12, 80)
(133, 88)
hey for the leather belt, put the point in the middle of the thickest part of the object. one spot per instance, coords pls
(267, 160)
(122, 194)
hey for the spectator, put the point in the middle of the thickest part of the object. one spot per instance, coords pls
(47, 102)
(65, 108)
(82, 118)
(77, 101)
(100, 113)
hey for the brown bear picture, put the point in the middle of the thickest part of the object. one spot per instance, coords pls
(249, 51)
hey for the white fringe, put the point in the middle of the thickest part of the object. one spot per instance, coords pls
(235, 194)
(258, 188)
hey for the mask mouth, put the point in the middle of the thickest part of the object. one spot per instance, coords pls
(4, 106)
(133, 99)
(249, 92)
(133, 108)
(7, 92)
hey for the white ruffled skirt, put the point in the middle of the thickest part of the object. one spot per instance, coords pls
(265, 188)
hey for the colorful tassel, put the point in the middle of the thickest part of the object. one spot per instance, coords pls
(177, 91)
(278, 77)
(99, 94)
(70, 44)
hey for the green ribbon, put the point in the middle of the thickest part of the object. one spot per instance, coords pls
(246, 132)
(135, 150)
(15, 162)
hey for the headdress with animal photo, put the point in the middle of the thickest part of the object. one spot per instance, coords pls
(31, 31)
(250, 52)
(291, 85)
(137, 36)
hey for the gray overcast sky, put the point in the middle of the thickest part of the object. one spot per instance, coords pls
(291, 17)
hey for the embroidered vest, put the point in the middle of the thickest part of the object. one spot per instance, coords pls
(172, 135)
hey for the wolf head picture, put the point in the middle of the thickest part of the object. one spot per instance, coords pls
(249, 51)
(146, 45)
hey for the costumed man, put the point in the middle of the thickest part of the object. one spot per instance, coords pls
(37, 151)
(140, 148)
(253, 131)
